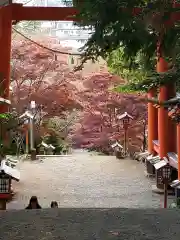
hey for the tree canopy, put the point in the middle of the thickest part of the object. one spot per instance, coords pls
(134, 25)
(134, 75)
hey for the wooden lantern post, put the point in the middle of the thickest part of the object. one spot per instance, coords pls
(26, 132)
(125, 119)
(166, 175)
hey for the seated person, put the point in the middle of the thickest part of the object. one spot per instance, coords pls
(33, 203)
(54, 204)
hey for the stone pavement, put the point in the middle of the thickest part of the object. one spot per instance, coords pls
(90, 224)
(87, 181)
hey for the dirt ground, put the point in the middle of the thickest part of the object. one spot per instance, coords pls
(83, 180)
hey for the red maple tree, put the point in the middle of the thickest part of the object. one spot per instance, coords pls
(99, 126)
(39, 75)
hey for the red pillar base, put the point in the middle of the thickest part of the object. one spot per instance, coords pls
(172, 129)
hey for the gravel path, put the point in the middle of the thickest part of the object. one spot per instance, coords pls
(82, 180)
(90, 224)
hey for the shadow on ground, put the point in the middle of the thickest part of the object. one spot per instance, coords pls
(90, 224)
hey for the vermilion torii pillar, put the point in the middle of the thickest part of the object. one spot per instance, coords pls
(152, 122)
(166, 128)
(160, 125)
(162, 66)
(172, 128)
(5, 53)
(178, 149)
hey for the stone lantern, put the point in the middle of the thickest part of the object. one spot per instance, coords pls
(117, 147)
(7, 174)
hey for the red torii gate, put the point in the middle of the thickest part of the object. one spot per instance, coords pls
(13, 13)
(159, 125)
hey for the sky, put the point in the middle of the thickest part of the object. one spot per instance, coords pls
(52, 3)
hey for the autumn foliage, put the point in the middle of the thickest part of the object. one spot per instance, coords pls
(98, 126)
(40, 75)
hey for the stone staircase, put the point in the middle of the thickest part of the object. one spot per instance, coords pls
(90, 224)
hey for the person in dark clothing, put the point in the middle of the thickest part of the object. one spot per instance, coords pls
(33, 203)
(54, 204)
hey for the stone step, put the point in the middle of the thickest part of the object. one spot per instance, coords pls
(89, 224)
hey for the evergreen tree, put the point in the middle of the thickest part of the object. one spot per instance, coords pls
(136, 26)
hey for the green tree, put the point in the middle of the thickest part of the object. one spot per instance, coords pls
(119, 24)
(8, 124)
(132, 73)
